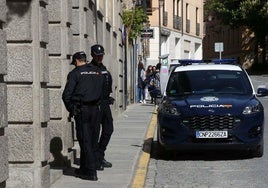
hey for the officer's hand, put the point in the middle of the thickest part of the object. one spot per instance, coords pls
(111, 100)
(70, 117)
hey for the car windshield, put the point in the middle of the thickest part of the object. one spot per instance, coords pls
(208, 82)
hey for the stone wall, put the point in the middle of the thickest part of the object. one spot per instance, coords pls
(27, 92)
(3, 97)
(37, 40)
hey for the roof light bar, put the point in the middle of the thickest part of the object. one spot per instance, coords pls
(184, 62)
(224, 61)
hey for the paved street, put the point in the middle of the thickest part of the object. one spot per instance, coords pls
(182, 170)
(124, 151)
(210, 169)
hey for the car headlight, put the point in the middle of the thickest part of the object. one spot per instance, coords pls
(252, 109)
(169, 108)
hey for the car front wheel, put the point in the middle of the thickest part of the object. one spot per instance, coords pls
(258, 151)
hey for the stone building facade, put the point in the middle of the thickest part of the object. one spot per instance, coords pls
(4, 170)
(178, 30)
(237, 42)
(37, 40)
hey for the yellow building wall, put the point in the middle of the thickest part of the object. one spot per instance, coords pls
(191, 10)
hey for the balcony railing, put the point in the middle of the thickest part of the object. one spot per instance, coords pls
(188, 26)
(177, 22)
(149, 11)
(165, 18)
(198, 29)
(175, 25)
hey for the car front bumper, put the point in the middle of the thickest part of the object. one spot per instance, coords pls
(174, 134)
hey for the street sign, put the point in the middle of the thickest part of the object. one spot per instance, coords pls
(219, 47)
(147, 33)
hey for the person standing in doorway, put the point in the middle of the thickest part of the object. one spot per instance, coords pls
(141, 83)
(106, 121)
(148, 72)
(81, 97)
(154, 86)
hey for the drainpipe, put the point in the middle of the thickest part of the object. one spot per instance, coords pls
(182, 17)
(159, 28)
(96, 20)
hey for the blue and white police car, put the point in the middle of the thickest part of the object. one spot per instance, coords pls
(211, 106)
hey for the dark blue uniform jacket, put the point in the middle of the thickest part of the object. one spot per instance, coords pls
(84, 85)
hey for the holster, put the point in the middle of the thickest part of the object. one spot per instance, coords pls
(111, 100)
(75, 110)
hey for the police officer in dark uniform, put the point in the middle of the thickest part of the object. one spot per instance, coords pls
(81, 96)
(97, 52)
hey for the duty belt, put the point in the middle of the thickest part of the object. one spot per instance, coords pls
(96, 102)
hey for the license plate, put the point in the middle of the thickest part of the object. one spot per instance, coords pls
(211, 134)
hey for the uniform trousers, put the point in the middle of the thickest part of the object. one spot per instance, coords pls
(87, 131)
(107, 128)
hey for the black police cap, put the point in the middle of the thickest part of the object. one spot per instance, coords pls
(97, 49)
(79, 56)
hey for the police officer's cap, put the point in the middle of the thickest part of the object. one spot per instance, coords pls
(80, 56)
(97, 49)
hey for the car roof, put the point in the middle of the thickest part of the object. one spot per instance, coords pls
(194, 67)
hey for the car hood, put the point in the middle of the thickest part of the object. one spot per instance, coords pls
(212, 104)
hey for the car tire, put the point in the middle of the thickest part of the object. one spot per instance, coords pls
(162, 152)
(160, 148)
(258, 151)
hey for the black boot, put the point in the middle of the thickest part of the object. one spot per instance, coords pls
(106, 164)
(86, 176)
(100, 166)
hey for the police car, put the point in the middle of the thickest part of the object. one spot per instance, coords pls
(211, 106)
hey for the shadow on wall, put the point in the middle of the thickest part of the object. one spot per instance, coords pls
(17, 7)
(3, 185)
(59, 161)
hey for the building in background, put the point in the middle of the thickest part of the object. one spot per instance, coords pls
(237, 43)
(177, 30)
(133, 49)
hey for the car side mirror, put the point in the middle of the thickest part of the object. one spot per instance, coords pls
(261, 92)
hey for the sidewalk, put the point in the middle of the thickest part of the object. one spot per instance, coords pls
(124, 151)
